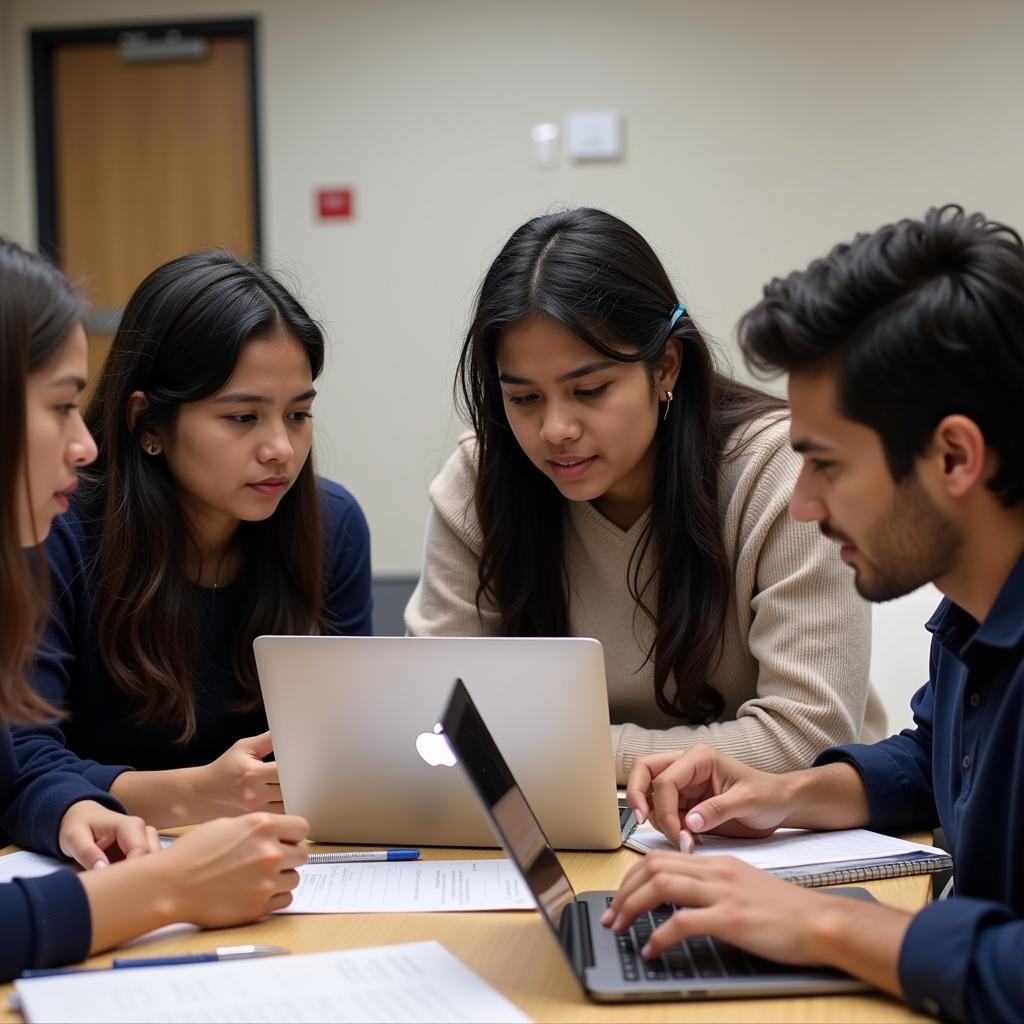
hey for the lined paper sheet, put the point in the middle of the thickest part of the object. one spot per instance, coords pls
(404, 886)
(790, 847)
(416, 981)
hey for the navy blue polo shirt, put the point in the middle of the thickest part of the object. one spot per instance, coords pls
(962, 767)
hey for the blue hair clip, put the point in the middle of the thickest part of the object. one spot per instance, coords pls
(676, 314)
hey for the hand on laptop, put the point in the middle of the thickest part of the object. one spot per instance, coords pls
(703, 790)
(724, 897)
(733, 901)
(240, 781)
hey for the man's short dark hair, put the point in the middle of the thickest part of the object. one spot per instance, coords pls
(920, 320)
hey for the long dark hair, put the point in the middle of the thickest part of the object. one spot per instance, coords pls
(598, 277)
(179, 341)
(38, 309)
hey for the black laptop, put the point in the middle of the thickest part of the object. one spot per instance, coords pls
(609, 966)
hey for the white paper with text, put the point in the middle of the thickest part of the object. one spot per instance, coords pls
(425, 886)
(417, 982)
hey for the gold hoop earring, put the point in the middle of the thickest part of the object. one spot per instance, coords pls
(668, 405)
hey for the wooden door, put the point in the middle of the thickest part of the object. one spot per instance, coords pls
(150, 160)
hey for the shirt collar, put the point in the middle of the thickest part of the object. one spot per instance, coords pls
(1004, 624)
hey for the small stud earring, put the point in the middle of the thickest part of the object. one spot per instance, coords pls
(153, 448)
(668, 405)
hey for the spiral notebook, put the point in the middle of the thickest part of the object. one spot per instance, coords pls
(815, 858)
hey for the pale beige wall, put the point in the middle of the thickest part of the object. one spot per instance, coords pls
(758, 133)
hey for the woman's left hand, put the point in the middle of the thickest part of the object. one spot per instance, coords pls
(94, 835)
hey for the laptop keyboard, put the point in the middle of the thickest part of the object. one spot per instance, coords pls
(700, 956)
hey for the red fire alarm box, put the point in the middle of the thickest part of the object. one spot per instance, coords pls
(334, 203)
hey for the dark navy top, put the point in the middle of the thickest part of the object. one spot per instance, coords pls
(963, 767)
(46, 920)
(70, 673)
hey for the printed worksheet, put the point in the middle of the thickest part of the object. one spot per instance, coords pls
(416, 981)
(409, 886)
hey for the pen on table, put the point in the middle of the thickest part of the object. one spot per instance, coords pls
(357, 855)
(210, 956)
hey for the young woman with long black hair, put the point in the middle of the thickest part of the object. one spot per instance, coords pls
(618, 486)
(226, 872)
(200, 526)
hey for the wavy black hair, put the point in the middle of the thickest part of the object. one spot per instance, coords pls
(922, 319)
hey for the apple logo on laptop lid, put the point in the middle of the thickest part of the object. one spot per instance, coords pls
(434, 749)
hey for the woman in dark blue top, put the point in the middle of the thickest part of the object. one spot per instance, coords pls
(219, 874)
(200, 527)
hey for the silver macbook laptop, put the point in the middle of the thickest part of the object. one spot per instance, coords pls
(609, 967)
(351, 719)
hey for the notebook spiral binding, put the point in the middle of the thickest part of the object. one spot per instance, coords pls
(925, 865)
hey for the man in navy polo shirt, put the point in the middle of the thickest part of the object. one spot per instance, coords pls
(905, 354)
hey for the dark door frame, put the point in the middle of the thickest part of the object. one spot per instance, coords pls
(43, 44)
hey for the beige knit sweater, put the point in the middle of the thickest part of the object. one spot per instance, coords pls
(794, 665)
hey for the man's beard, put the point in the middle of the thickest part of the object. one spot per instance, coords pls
(911, 545)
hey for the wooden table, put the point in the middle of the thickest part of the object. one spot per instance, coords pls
(516, 953)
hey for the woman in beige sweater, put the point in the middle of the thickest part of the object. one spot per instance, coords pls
(617, 486)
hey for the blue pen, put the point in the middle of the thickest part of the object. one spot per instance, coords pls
(222, 953)
(358, 855)
(211, 956)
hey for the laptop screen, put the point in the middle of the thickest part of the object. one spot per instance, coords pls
(510, 814)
